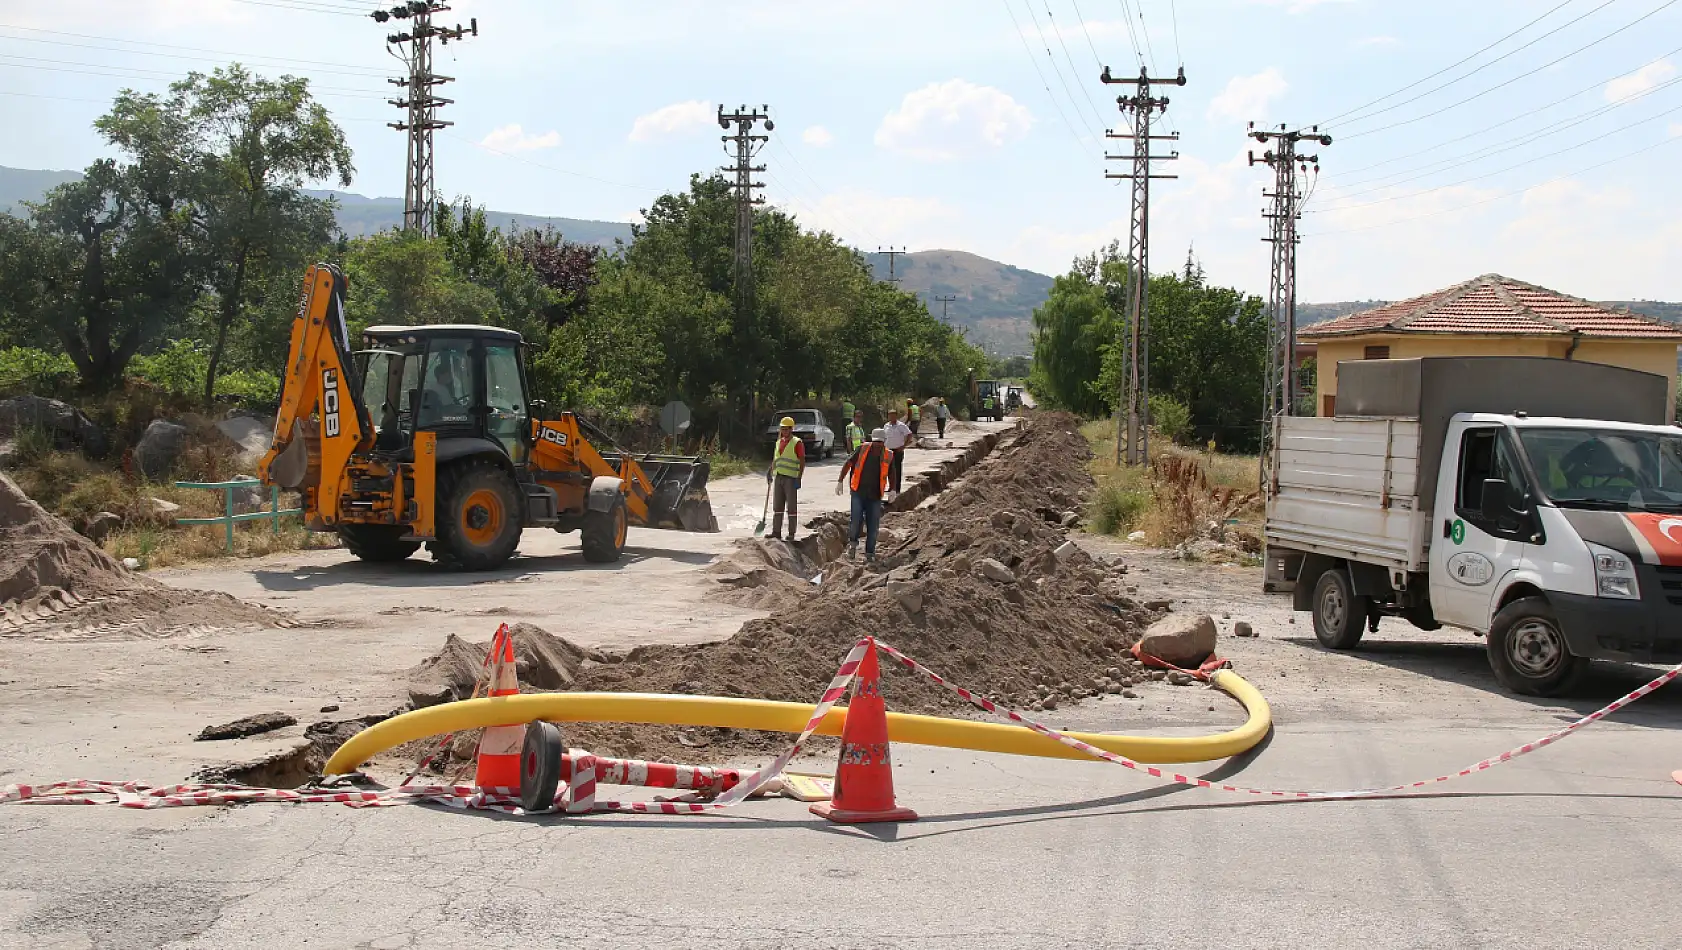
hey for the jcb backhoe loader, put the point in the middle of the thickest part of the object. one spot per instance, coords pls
(428, 436)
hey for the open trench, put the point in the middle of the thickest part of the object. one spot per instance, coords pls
(803, 560)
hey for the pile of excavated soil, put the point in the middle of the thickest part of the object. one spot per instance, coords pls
(981, 585)
(56, 584)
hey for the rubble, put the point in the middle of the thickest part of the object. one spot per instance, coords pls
(248, 726)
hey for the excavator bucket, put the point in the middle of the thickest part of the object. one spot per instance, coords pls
(680, 493)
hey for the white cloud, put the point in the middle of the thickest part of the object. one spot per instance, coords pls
(1639, 81)
(673, 121)
(939, 121)
(916, 221)
(1247, 98)
(817, 136)
(1370, 42)
(512, 138)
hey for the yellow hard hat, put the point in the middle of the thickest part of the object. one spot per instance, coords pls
(787, 423)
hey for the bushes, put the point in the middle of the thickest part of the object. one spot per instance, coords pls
(1171, 418)
(1116, 507)
(24, 369)
(179, 369)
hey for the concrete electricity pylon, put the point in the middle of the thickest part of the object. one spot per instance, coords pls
(945, 301)
(1132, 432)
(1288, 194)
(421, 102)
(893, 254)
(743, 146)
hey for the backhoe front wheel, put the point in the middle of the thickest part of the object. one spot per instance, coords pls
(478, 517)
(378, 543)
(604, 532)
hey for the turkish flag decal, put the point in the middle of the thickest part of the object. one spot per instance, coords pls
(1660, 536)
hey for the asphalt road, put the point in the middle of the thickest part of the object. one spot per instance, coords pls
(1575, 846)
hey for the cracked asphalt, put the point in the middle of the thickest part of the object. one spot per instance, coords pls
(1578, 845)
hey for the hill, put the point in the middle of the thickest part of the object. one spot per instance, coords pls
(357, 214)
(995, 302)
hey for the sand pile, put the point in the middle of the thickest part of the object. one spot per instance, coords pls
(56, 584)
(982, 585)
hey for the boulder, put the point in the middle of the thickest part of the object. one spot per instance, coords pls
(1066, 550)
(1243, 629)
(68, 427)
(100, 526)
(253, 436)
(160, 447)
(1180, 639)
(1069, 519)
(993, 570)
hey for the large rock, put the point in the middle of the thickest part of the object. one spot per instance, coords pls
(64, 422)
(253, 436)
(159, 448)
(1181, 639)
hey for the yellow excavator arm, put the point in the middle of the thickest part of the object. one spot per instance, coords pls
(322, 421)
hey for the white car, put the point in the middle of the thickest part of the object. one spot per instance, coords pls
(810, 427)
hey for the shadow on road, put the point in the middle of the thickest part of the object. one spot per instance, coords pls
(1467, 664)
(419, 572)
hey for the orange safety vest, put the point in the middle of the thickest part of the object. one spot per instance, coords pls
(858, 467)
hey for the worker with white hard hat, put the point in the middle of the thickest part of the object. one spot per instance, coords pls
(868, 466)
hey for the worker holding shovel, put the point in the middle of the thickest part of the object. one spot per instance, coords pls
(868, 467)
(788, 465)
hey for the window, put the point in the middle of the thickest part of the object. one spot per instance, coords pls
(1486, 454)
(448, 384)
(505, 397)
(1376, 353)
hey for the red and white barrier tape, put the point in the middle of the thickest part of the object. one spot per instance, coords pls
(578, 797)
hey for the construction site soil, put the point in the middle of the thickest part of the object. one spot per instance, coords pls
(981, 583)
(57, 585)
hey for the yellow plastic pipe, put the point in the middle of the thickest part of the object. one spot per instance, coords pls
(730, 713)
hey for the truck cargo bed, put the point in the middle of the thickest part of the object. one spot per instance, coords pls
(1349, 488)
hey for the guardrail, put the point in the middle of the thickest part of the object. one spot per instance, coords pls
(274, 513)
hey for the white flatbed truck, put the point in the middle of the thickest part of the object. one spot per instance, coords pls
(1534, 502)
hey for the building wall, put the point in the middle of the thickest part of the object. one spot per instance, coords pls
(1648, 356)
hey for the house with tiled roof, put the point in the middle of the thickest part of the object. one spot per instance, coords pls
(1493, 316)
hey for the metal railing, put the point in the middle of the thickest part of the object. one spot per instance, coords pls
(274, 514)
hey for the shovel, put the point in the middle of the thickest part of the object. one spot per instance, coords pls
(759, 529)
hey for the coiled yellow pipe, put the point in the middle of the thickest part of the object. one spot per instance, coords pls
(731, 713)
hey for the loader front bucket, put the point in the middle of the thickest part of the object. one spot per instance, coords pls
(680, 493)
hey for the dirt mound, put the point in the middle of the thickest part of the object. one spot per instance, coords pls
(542, 660)
(982, 585)
(57, 585)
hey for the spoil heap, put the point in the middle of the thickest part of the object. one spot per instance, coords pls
(982, 585)
(56, 584)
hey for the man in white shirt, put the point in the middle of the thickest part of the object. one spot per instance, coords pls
(897, 435)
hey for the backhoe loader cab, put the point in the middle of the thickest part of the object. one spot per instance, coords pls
(428, 435)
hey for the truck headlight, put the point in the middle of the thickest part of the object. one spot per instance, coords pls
(1614, 574)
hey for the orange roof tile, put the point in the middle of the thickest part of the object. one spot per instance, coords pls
(1496, 306)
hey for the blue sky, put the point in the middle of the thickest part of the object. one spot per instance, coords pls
(927, 123)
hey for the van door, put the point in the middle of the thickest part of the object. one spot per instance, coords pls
(1471, 552)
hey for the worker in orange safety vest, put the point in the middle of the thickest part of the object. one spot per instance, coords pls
(868, 467)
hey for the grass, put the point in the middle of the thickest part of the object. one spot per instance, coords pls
(1174, 500)
(724, 462)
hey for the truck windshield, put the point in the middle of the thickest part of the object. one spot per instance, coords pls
(1607, 468)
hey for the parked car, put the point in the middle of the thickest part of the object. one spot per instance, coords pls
(812, 429)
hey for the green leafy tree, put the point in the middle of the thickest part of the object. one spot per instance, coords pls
(1071, 331)
(233, 149)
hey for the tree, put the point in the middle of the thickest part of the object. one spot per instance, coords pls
(1071, 331)
(103, 265)
(233, 149)
(567, 269)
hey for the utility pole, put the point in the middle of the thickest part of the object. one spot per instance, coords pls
(945, 299)
(743, 146)
(1131, 429)
(420, 194)
(1288, 194)
(892, 254)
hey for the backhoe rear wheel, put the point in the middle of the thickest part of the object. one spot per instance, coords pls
(478, 517)
(604, 532)
(378, 543)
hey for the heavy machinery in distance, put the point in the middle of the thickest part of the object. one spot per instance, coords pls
(428, 435)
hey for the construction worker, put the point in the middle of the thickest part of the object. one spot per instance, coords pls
(896, 435)
(848, 409)
(868, 466)
(445, 398)
(855, 431)
(941, 414)
(913, 414)
(788, 465)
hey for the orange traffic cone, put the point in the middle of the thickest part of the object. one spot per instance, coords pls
(499, 747)
(864, 779)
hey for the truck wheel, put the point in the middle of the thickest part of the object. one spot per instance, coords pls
(1528, 652)
(1340, 617)
(604, 533)
(478, 517)
(378, 543)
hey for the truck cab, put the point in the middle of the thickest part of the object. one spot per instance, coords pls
(1557, 536)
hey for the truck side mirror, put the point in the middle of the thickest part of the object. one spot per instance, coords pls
(1495, 499)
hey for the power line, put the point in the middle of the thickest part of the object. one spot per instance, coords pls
(1088, 33)
(536, 164)
(301, 8)
(1498, 171)
(420, 103)
(373, 70)
(278, 64)
(1071, 61)
(1504, 56)
(1035, 62)
(1568, 175)
(1058, 70)
(1175, 16)
(1447, 68)
(1508, 121)
(1503, 85)
(819, 191)
(141, 73)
